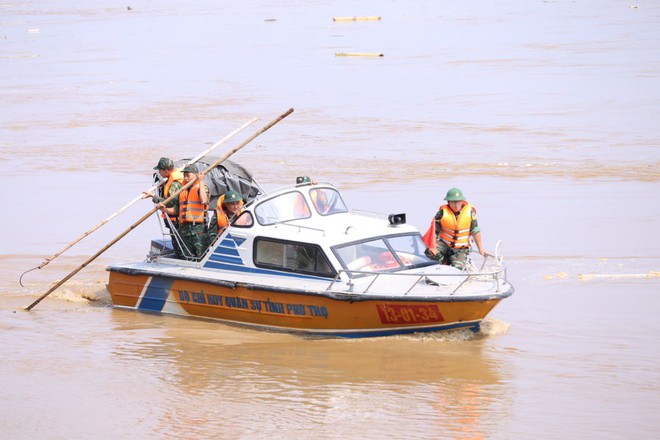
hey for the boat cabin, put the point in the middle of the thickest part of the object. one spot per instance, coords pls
(307, 231)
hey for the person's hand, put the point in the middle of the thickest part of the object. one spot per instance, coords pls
(483, 252)
(146, 195)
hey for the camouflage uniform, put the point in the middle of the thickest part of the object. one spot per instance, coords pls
(172, 225)
(174, 187)
(447, 254)
(193, 236)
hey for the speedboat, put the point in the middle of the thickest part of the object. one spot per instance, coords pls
(298, 260)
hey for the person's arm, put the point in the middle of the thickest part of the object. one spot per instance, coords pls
(438, 217)
(172, 207)
(171, 211)
(203, 189)
(477, 240)
(173, 188)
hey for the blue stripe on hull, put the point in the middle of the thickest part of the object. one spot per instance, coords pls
(225, 259)
(226, 251)
(156, 295)
(472, 325)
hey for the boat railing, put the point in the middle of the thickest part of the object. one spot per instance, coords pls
(369, 214)
(498, 275)
(287, 223)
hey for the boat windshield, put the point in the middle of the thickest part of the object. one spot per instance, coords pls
(385, 254)
(286, 207)
(327, 201)
(293, 206)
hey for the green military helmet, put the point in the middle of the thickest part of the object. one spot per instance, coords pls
(165, 163)
(454, 195)
(232, 196)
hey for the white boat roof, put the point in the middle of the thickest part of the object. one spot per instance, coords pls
(330, 228)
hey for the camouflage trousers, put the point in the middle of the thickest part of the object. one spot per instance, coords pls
(194, 238)
(453, 257)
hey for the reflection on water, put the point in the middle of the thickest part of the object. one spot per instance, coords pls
(435, 382)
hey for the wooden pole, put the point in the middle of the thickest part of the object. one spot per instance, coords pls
(148, 214)
(140, 197)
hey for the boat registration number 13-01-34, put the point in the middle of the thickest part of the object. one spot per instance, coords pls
(409, 314)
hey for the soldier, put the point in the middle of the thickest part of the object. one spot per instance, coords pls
(448, 237)
(173, 183)
(230, 206)
(191, 211)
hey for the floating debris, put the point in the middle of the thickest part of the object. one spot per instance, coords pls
(358, 54)
(368, 18)
(651, 274)
(596, 276)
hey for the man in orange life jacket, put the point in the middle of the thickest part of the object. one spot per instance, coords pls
(191, 211)
(229, 207)
(173, 183)
(319, 197)
(448, 238)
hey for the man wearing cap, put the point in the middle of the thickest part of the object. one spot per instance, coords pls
(230, 206)
(173, 182)
(191, 210)
(448, 237)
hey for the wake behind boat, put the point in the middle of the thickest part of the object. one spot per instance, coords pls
(298, 260)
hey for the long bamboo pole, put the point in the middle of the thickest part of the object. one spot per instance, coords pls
(138, 198)
(148, 214)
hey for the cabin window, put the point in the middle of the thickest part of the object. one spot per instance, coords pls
(327, 201)
(383, 254)
(292, 257)
(244, 220)
(286, 207)
(409, 248)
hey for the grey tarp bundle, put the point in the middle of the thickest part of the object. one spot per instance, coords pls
(225, 177)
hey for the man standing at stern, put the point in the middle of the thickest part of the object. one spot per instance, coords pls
(173, 182)
(448, 237)
(191, 210)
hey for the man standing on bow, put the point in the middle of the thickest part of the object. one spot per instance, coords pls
(448, 237)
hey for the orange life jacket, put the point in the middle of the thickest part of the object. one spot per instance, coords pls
(191, 208)
(221, 215)
(321, 207)
(455, 232)
(175, 176)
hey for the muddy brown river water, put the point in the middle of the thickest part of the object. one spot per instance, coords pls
(544, 113)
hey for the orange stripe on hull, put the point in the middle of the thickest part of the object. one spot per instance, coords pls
(125, 290)
(294, 311)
